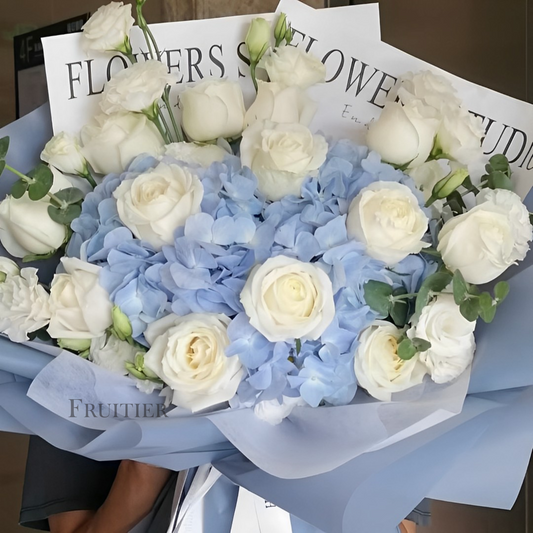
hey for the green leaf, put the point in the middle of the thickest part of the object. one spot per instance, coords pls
(460, 287)
(377, 296)
(44, 180)
(398, 310)
(406, 350)
(501, 290)
(432, 284)
(500, 163)
(64, 216)
(19, 188)
(72, 195)
(421, 345)
(499, 180)
(35, 257)
(487, 307)
(470, 309)
(469, 186)
(456, 203)
(2, 166)
(4, 147)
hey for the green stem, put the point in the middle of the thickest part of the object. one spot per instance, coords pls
(87, 176)
(165, 124)
(142, 24)
(403, 297)
(252, 73)
(160, 128)
(29, 180)
(175, 125)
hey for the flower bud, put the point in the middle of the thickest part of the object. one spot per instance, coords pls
(258, 39)
(74, 345)
(449, 183)
(280, 29)
(289, 35)
(121, 324)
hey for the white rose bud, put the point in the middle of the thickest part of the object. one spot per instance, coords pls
(282, 156)
(137, 88)
(63, 152)
(188, 354)
(460, 135)
(258, 38)
(404, 135)
(156, 203)
(284, 105)
(108, 29)
(27, 229)
(451, 337)
(293, 66)
(79, 306)
(489, 238)
(198, 154)
(23, 305)
(111, 353)
(287, 299)
(378, 368)
(213, 109)
(110, 143)
(387, 218)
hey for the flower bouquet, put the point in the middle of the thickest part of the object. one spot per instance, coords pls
(256, 281)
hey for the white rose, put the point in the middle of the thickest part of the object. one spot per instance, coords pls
(157, 202)
(281, 104)
(23, 304)
(110, 143)
(282, 156)
(188, 354)
(136, 88)
(378, 368)
(273, 412)
(460, 135)
(434, 90)
(27, 229)
(287, 299)
(8, 267)
(79, 306)
(111, 353)
(108, 29)
(213, 109)
(404, 134)
(387, 218)
(451, 337)
(489, 238)
(63, 152)
(199, 154)
(293, 66)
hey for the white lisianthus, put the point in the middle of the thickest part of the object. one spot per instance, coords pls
(198, 154)
(451, 337)
(188, 354)
(79, 306)
(281, 104)
(460, 135)
(136, 88)
(27, 229)
(274, 411)
(378, 368)
(434, 90)
(213, 109)
(111, 353)
(23, 303)
(108, 29)
(156, 203)
(489, 238)
(63, 152)
(387, 218)
(404, 134)
(426, 176)
(110, 143)
(286, 299)
(282, 156)
(8, 267)
(293, 66)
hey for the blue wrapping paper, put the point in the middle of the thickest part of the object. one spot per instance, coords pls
(459, 460)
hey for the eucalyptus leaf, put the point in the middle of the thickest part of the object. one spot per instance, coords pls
(500, 180)
(500, 163)
(38, 190)
(432, 284)
(4, 147)
(421, 345)
(64, 216)
(377, 296)
(487, 307)
(2, 166)
(460, 287)
(406, 350)
(470, 309)
(18, 189)
(72, 195)
(501, 290)
(399, 309)
(44, 180)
